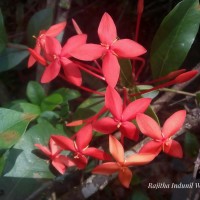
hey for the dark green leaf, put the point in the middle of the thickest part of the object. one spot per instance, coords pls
(11, 57)
(174, 38)
(35, 92)
(3, 35)
(89, 107)
(126, 77)
(51, 102)
(2, 163)
(139, 195)
(68, 94)
(191, 144)
(39, 21)
(12, 126)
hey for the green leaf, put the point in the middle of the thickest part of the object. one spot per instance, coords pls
(126, 77)
(26, 163)
(35, 92)
(151, 95)
(68, 94)
(2, 163)
(11, 57)
(174, 38)
(12, 126)
(191, 144)
(24, 169)
(51, 102)
(30, 108)
(41, 20)
(89, 107)
(3, 35)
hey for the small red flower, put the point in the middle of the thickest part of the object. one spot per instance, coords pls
(58, 57)
(121, 165)
(80, 146)
(53, 31)
(162, 137)
(111, 47)
(60, 162)
(122, 117)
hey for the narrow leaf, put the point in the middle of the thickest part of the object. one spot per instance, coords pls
(174, 38)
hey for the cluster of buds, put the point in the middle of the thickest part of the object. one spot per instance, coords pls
(125, 116)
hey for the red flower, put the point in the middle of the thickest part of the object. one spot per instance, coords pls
(162, 137)
(60, 162)
(121, 165)
(121, 116)
(80, 146)
(59, 57)
(53, 31)
(111, 47)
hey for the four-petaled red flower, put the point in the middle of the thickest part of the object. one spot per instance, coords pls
(53, 31)
(121, 165)
(162, 137)
(110, 49)
(80, 146)
(59, 57)
(122, 117)
(60, 162)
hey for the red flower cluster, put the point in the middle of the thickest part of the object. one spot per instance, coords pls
(124, 115)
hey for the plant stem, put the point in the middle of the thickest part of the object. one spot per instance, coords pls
(177, 91)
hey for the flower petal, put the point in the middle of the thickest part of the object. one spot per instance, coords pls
(56, 29)
(125, 176)
(151, 147)
(44, 149)
(129, 130)
(174, 149)
(88, 52)
(34, 55)
(60, 166)
(139, 159)
(64, 142)
(106, 168)
(52, 46)
(80, 161)
(135, 107)
(53, 146)
(113, 102)
(51, 72)
(83, 137)
(107, 30)
(148, 126)
(96, 153)
(116, 149)
(65, 160)
(32, 59)
(73, 43)
(71, 71)
(126, 48)
(174, 123)
(105, 125)
(111, 69)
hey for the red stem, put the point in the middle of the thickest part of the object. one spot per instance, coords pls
(140, 68)
(91, 73)
(155, 88)
(91, 91)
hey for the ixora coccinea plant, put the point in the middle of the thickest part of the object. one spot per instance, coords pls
(125, 115)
